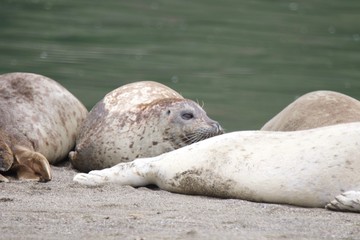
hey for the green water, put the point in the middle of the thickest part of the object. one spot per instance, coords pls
(245, 60)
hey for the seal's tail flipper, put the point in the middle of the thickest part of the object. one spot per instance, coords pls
(347, 202)
(31, 165)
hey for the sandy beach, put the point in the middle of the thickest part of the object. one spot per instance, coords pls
(62, 209)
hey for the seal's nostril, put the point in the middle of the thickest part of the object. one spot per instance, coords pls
(219, 129)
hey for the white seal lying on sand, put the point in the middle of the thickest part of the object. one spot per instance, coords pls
(38, 124)
(310, 168)
(315, 109)
(141, 119)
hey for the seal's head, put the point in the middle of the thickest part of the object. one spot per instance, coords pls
(185, 122)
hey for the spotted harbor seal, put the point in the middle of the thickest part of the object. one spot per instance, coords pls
(310, 168)
(38, 124)
(141, 119)
(315, 109)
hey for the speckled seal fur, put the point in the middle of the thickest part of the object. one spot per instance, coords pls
(38, 125)
(140, 119)
(315, 109)
(310, 168)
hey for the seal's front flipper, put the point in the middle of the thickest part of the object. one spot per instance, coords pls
(130, 173)
(24, 172)
(3, 179)
(90, 179)
(31, 165)
(347, 202)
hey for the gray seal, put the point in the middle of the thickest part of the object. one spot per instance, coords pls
(141, 119)
(38, 126)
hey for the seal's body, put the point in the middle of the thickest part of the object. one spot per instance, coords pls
(305, 168)
(38, 124)
(141, 119)
(315, 109)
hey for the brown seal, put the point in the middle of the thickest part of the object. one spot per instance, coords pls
(38, 125)
(315, 109)
(140, 119)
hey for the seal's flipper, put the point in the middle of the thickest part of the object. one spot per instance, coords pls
(89, 180)
(131, 173)
(3, 179)
(24, 172)
(6, 156)
(348, 201)
(31, 165)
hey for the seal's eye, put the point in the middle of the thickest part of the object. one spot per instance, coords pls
(168, 112)
(187, 116)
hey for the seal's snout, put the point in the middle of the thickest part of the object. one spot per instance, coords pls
(218, 128)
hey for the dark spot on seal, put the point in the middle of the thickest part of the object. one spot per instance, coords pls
(21, 88)
(63, 119)
(203, 182)
(131, 145)
(154, 143)
(35, 118)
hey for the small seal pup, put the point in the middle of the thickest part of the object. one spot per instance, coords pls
(315, 109)
(141, 119)
(310, 168)
(38, 125)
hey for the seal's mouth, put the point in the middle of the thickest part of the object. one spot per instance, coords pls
(203, 133)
